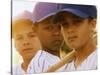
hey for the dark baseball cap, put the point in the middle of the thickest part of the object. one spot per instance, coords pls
(83, 11)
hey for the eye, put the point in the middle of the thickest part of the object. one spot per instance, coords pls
(31, 35)
(65, 24)
(77, 21)
(19, 38)
(49, 28)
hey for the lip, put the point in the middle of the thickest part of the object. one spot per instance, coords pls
(72, 38)
(27, 49)
(57, 41)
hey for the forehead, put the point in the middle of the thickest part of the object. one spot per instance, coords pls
(68, 15)
(62, 16)
(47, 20)
(21, 25)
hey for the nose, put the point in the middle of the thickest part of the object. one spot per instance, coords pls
(57, 31)
(26, 41)
(70, 29)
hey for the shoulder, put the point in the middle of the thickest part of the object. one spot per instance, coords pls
(16, 66)
(42, 61)
(91, 61)
(17, 69)
(52, 58)
(37, 63)
(93, 56)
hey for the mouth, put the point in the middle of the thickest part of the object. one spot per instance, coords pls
(72, 38)
(57, 43)
(27, 49)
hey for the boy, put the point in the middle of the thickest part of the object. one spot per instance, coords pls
(26, 41)
(77, 25)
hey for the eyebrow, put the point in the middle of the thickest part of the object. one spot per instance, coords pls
(18, 35)
(30, 32)
(25, 33)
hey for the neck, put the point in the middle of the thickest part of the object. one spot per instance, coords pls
(53, 52)
(84, 52)
(25, 64)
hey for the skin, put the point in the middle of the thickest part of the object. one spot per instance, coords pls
(50, 36)
(77, 33)
(26, 41)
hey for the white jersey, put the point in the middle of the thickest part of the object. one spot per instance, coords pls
(17, 70)
(41, 62)
(90, 63)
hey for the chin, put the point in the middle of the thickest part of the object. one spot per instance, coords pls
(28, 55)
(75, 46)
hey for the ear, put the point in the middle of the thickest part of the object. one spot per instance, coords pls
(93, 26)
(93, 23)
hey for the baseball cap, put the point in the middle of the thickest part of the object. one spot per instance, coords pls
(83, 11)
(42, 10)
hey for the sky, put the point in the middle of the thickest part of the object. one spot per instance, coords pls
(20, 6)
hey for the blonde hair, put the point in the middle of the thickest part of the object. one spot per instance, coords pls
(18, 23)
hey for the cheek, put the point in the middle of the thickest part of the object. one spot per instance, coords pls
(45, 36)
(35, 43)
(84, 34)
(18, 46)
(64, 34)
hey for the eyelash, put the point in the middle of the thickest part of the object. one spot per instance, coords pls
(19, 38)
(48, 28)
(32, 35)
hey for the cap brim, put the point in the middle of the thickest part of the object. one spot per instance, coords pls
(75, 12)
(51, 14)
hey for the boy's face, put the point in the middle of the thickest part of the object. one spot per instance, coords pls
(50, 35)
(76, 31)
(26, 41)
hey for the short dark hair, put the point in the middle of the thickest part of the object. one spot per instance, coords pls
(59, 18)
